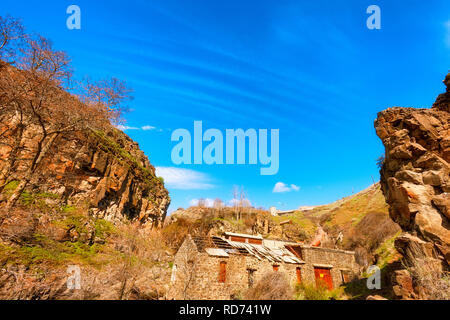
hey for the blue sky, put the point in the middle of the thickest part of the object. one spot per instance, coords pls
(309, 68)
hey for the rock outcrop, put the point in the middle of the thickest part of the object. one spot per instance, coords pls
(415, 177)
(104, 172)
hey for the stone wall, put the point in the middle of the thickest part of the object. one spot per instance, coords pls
(196, 275)
(338, 260)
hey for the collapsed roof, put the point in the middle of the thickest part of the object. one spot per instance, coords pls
(272, 250)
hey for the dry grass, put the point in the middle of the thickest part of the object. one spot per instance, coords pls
(429, 278)
(310, 291)
(131, 261)
(272, 286)
(199, 221)
(139, 251)
(368, 235)
(350, 210)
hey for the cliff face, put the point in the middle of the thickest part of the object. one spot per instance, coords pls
(415, 177)
(103, 172)
(75, 191)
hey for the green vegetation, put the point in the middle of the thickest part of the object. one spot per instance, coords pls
(357, 289)
(122, 155)
(48, 251)
(10, 187)
(344, 214)
(28, 198)
(74, 221)
(68, 209)
(36, 199)
(386, 252)
(104, 229)
(309, 291)
(299, 219)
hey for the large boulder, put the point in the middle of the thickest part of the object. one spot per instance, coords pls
(415, 179)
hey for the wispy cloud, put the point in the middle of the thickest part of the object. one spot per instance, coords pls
(208, 202)
(281, 187)
(124, 128)
(144, 128)
(187, 81)
(184, 179)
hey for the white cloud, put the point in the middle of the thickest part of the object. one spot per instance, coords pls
(208, 202)
(282, 187)
(144, 128)
(123, 128)
(184, 179)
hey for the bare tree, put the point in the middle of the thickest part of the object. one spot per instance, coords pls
(236, 201)
(10, 30)
(218, 204)
(34, 96)
(240, 201)
(39, 100)
(110, 95)
(201, 203)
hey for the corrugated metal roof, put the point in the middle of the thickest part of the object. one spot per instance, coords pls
(242, 235)
(275, 252)
(216, 252)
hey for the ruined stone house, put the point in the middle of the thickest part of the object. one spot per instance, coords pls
(226, 267)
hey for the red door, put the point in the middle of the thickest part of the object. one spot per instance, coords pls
(323, 278)
(223, 272)
(299, 275)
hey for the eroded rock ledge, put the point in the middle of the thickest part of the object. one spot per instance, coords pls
(415, 176)
(104, 172)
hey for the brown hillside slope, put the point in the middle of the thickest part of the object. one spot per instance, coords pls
(362, 220)
(94, 166)
(91, 200)
(359, 222)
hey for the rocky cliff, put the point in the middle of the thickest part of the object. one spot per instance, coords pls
(104, 172)
(415, 179)
(85, 196)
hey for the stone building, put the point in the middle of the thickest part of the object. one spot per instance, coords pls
(226, 267)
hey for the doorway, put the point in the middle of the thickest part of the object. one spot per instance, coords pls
(323, 278)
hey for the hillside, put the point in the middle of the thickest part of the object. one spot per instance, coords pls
(91, 201)
(76, 194)
(362, 219)
(358, 222)
(79, 200)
